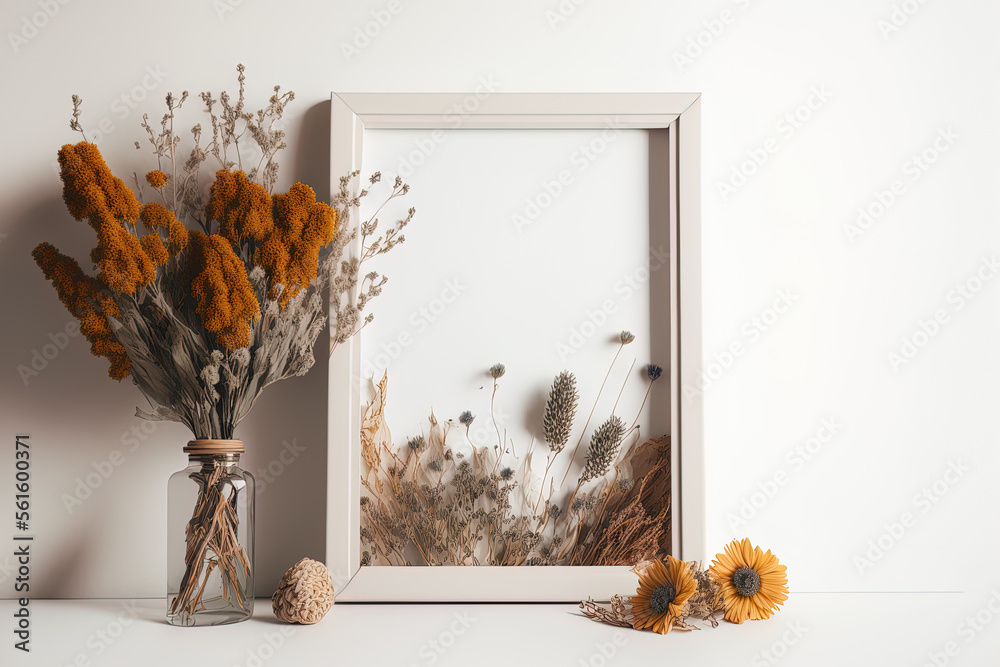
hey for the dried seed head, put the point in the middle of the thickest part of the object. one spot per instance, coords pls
(557, 421)
(506, 473)
(497, 371)
(467, 418)
(746, 581)
(626, 337)
(416, 443)
(603, 450)
(659, 601)
(653, 372)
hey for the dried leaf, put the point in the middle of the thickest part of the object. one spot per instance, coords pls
(621, 604)
(619, 614)
(374, 431)
(706, 603)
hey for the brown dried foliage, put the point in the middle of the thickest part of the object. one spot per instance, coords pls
(634, 522)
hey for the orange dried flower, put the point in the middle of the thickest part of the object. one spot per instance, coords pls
(155, 215)
(664, 588)
(125, 267)
(153, 246)
(242, 207)
(156, 178)
(753, 582)
(302, 226)
(219, 283)
(91, 191)
(83, 299)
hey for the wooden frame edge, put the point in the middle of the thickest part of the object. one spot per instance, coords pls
(351, 114)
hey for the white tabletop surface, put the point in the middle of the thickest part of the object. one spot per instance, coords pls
(813, 629)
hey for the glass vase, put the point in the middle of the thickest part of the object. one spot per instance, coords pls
(210, 515)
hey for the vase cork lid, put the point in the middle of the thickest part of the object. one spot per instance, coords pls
(212, 446)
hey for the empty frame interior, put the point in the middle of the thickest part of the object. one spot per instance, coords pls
(535, 249)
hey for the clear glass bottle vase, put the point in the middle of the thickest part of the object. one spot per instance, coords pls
(210, 524)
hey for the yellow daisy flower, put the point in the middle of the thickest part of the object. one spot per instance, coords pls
(752, 581)
(664, 589)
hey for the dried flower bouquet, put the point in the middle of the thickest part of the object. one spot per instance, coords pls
(209, 290)
(439, 499)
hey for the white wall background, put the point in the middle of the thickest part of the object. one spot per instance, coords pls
(884, 99)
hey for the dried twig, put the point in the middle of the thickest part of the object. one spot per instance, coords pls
(619, 614)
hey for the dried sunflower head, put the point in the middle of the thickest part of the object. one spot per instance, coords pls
(753, 582)
(664, 589)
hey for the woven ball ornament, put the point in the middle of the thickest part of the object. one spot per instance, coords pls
(305, 593)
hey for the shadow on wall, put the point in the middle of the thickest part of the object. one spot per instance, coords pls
(69, 401)
(52, 388)
(42, 362)
(286, 433)
(312, 160)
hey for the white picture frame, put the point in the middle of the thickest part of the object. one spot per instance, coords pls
(354, 113)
